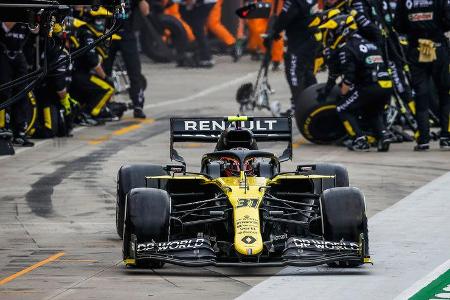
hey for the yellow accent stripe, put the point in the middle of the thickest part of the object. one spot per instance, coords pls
(31, 268)
(92, 29)
(99, 140)
(349, 128)
(448, 129)
(322, 109)
(236, 118)
(35, 111)
(416, 135)
(120, 132)
(75, 41)
(318, 63)
(336, 43)
(385, 84)
(298, 143)
(191, 145)
(315, 22)
(129, 261)
(109, 91)
(127, 129)
(412, 107)
(78, 23)
(2, 118)
(47, 117)
(367, 260)
(101, 52)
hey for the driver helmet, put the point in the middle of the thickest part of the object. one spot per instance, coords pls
(232, 166)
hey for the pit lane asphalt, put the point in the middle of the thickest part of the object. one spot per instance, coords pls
(59, 198)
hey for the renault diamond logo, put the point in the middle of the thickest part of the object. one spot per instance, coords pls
(248, 239)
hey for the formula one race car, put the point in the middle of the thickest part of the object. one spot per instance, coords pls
(239, 210)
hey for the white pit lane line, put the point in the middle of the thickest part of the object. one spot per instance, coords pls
(193, 97)
(407, 241)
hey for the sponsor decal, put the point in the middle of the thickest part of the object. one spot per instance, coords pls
(324, 245)
(172, 245)
(247, 226)
(208, 125)
(15, 35)
(352, 98)
(371, 46)
(248, 239)
(279, 237)
(409, 4)
(418, 17)
(374, 59)
(363, 48)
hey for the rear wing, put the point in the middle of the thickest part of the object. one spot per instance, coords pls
(208, 130)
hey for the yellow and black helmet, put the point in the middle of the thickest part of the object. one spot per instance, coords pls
(337, 29)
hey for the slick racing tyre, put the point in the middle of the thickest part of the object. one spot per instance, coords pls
(318, 122)
(147, 218)
(129, 177)
(163, 38)
(332, 170)
(344, 217)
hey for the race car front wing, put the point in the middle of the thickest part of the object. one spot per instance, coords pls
(301, 252)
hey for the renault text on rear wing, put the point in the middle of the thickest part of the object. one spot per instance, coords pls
(208, 130)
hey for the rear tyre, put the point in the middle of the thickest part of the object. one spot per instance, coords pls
(129, 177)
(332, 170)
(147, 218)
(344, 217)
(318, 122)
(153, 43)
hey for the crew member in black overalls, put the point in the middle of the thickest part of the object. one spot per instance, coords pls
(425, 23)
(130, 54)
(90, 86)
(13, 65)
(366, 86)
(375, 23)
(196, 13)
(302, 46)
(54, 89)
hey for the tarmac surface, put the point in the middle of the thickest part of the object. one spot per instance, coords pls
(57, 201)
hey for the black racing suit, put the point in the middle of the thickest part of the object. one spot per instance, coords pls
(128, 47)
(375, 23)
(361, 66)
(12, 66)
(427, 20)
(55, 82)
(302, 47)
(86, 87)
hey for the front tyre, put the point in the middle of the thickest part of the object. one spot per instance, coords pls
(344, 218)
(147, 218)
(129, 177)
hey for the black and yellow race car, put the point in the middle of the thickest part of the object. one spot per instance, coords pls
(240, 209)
